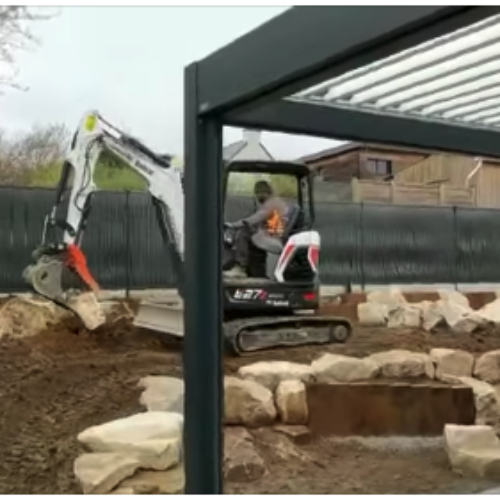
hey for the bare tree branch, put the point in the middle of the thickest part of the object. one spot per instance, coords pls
(16, 36)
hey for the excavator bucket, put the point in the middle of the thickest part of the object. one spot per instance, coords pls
(166, 317)
(61, 276)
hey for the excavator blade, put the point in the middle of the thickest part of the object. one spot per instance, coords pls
(52, 276)
(161, 317)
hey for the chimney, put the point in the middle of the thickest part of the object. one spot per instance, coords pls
(252, 136)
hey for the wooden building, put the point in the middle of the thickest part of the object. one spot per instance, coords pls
(392, 174)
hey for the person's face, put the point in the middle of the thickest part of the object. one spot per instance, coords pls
(261, 196)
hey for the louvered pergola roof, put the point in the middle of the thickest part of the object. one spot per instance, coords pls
(452, 79)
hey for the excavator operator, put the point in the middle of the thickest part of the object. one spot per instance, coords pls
(267, 222)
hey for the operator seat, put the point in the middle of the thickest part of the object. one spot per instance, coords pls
(294, 218)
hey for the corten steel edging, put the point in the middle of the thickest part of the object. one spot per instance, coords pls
(385, 409)
(202, 351)
(345, 124)
(306, 46)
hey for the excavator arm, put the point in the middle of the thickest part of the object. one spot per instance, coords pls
(59, 270)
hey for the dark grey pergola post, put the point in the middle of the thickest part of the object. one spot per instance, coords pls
(244, 84)
(202, 295)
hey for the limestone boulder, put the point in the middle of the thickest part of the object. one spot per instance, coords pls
(153, 438)
(147, 482)
(403, 364)
(162, 394)
(473, 451)
(248, 403)
(407, 315)
(25, 316)
(99, 473)
(461, 319)
(392, 298)
(485, 400)
(469, 323)
(332, 368)
(88, 309)
(242, 462)
(291, 401)
(372, 314)
(432, 314)
(271, 373)
(491, 312)
(452, 312)
(452, 362)
(487, 367)
(455, 297)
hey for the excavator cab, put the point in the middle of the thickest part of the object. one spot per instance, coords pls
(290, 181)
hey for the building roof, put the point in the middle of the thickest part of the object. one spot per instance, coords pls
(331, 152)
(355, 146)
(231, 151)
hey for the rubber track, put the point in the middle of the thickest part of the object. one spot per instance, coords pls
(232, 329)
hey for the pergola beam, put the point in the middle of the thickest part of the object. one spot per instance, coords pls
(346, 124)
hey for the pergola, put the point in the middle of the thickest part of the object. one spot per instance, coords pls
(423, 76)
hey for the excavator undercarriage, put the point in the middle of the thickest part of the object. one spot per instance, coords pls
(244, 336)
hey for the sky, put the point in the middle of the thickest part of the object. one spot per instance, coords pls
(128, 63)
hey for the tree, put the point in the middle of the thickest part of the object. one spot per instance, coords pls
(16, 36)
(242, 184)
(41, 154)
(33, 157)
(42, 145)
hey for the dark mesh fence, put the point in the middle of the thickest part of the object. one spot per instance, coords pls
(361, 244)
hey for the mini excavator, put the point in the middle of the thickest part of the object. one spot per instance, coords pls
(272, 307)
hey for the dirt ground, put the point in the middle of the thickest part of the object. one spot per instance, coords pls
(352, 466)
(60, 382)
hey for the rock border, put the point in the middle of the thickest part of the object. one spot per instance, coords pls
(274, 392)
(127, 455)
(389, 308)
(267, 393)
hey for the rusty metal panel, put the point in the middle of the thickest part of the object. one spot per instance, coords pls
(383, 409)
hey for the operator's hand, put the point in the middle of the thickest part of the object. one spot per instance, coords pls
(238, 224)
(234, 225)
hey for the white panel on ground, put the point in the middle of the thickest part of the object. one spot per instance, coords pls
(166, 318)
